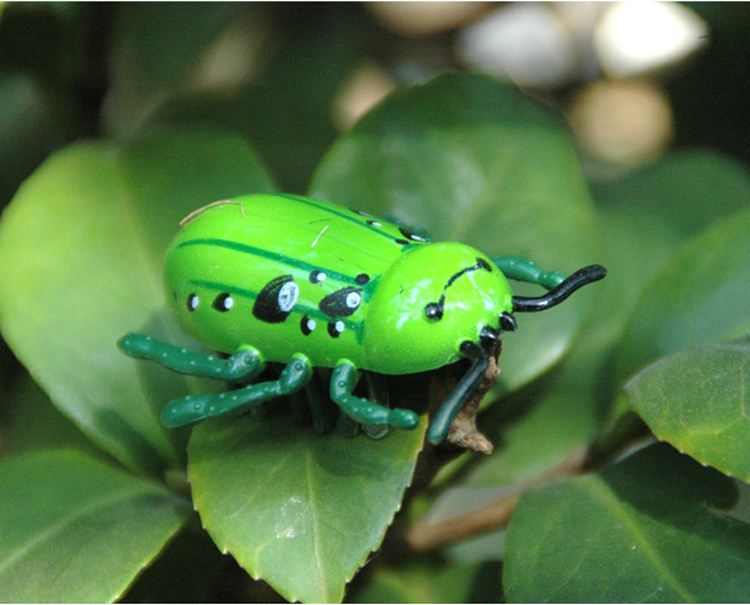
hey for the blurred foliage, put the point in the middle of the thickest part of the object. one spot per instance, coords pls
(118, 119)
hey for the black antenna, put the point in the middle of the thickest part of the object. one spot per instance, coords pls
(480, 361)
(558, 294)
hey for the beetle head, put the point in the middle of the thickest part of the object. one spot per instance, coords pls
(435, 297)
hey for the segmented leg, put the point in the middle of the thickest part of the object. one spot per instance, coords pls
(193, 408)
(343, 380)
(244, 364)
(522, 269)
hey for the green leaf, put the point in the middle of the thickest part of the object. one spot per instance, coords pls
(694, 188)
(78, 530)
(697, 400)
(470, 159)
(701, 296)
(81, 249)
(640, 531)
(298, 510)
(570, 406)
(34, 423)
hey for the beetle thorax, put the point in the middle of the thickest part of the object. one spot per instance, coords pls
(431, 300)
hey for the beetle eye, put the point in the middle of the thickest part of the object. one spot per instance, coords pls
(433, 311)
(507, 322)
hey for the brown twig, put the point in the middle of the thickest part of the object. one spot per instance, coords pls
(423, 537)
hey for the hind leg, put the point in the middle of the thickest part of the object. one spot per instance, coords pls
(244, 364)
(194, 408)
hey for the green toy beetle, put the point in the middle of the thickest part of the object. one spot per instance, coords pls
(285, 278)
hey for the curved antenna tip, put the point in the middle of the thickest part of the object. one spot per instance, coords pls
(554, 297)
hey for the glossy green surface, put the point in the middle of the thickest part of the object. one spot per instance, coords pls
(287, 275)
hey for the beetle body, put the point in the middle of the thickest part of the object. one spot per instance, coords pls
(292, 275)
(282, 278)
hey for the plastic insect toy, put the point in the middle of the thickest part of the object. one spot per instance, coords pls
(289, 279)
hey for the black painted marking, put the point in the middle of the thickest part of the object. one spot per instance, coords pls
(411, 235)
(223, 302)
(434, 310)
(307, 325)
(317, 276)
(192, 301)
(276, 300)
(362, 279)
(335, 328)
(402, 242)
(341, 303)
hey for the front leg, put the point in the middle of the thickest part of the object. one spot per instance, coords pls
(343, 380)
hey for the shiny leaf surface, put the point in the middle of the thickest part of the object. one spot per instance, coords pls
(697, 400)
(469, 159)
(77, 530)
(81, 251)
(298, 510)
(640, 531)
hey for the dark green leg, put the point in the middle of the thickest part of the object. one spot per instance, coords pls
(522, 269)
(193, 408)
(343, 380)
(245, 363)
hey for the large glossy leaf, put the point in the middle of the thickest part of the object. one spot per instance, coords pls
(702, 296)
(470, 159)
(641, 531)
(694, 188)
(34, 423)
(76, 529)
(296, 509)
(697, 400)
(570, 407)
(81, 249)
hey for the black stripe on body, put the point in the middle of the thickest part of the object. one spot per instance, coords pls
(345, 213)
(282, 259)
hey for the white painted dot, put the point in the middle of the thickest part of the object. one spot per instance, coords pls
(311, 325)
(228, 302)
(339, 326)
(321, 276)
(193, 302)
(353, 299)
(288, 296)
